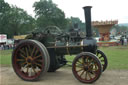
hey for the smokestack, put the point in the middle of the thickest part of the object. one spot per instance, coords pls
(87, 12)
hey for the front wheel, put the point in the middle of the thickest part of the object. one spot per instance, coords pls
(86, 67)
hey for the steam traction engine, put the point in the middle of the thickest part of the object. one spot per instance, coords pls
(45, 51)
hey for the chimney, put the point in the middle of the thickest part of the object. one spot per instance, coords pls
(87, 12)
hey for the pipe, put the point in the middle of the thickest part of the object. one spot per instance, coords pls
(87, 12)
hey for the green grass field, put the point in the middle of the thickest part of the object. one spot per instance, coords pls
(5, 57)
(117, 57)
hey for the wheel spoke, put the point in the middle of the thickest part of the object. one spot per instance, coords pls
(89, 75)
(100, 57)
(20, 60)
(79, 66)
(93, 72)
(37, 56)
(22, 55)
(90, 61)
(83, 61)
(82, 73)
(80, 70)
(27, 51)
(102, 60)
(39, 61)
(33, 50)
(35, 53)
(86, 75)
(22, 51)
(87, 59)
(23, 63)
(79, 62)
(39, 65)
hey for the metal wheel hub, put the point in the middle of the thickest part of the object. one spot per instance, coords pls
(86, 68)
(29, 60)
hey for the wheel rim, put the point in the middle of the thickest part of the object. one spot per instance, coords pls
(28, 61)
(86, 69)
(103, 59)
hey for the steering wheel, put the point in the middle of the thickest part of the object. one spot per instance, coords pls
(52, 30)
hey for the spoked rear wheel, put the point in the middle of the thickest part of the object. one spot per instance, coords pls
(86, 67)
(103, 59)
(29, 60)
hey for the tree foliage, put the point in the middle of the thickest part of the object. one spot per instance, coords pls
(4, 10)
(48, 14)
(20, 22)
(14, 20)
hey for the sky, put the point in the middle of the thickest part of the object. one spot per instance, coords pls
(101, 9)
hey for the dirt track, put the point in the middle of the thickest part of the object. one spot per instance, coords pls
(64, 76)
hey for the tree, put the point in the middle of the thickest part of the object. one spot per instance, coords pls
(14, 20)
(4, 10)
(48, 14)
(4, 7)
(20, 22)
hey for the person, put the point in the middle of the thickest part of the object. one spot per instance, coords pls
(2, 47)
(122, 40)
(125, 41)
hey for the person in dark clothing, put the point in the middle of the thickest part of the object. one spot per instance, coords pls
(122, 40)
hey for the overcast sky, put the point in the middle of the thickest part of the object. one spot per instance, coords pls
(102, 9)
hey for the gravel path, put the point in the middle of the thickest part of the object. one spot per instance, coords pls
(64, 76)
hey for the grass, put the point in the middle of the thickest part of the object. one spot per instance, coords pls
(5, 57)
(117, 57)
